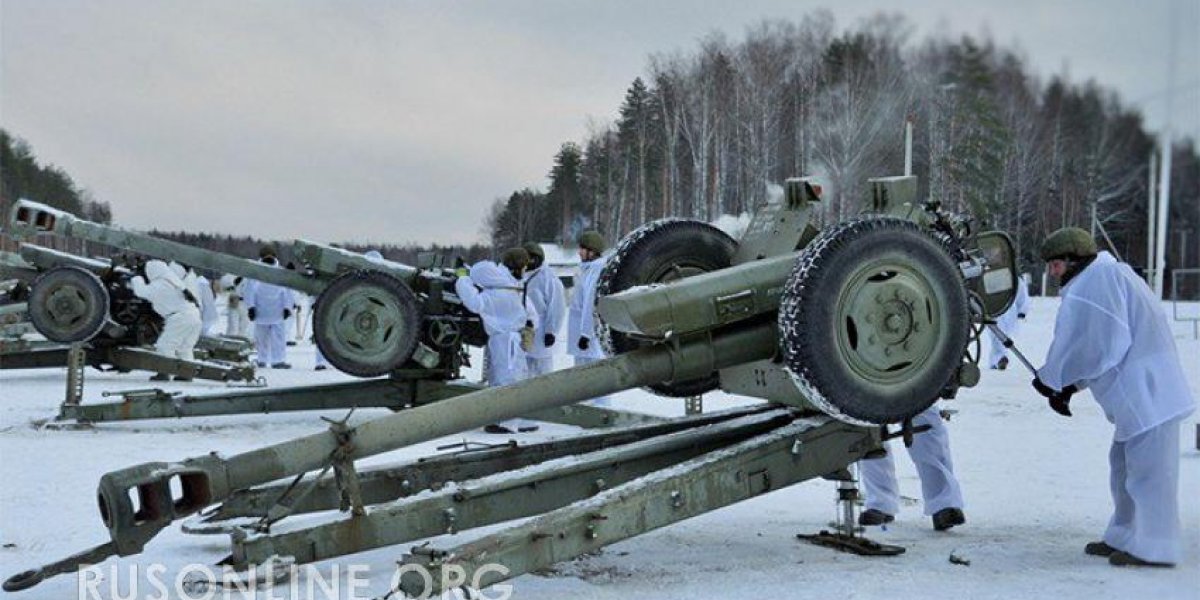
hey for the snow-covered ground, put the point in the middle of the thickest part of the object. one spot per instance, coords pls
(1036, 486)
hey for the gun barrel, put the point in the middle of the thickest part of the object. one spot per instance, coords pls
(29, 219)
(330, 260)
(701, 302)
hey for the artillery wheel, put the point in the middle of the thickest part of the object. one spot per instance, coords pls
(68, 305)
(366, 323)
(874, 322)
(660, 252)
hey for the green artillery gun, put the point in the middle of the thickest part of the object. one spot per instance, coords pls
(85, 302)
(373, 318)
(844, 331)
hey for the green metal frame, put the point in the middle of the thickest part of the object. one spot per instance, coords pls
(782, 456)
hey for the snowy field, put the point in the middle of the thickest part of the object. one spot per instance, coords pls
(1036, 487)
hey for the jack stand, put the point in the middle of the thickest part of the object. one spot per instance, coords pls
(845, 535)
(76, 363)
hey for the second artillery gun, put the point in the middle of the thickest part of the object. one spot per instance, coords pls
(843, 331)
(89, 316)
(401, 326)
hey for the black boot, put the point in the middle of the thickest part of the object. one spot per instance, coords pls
(1098, 549)
(874, 516)
(948, 517)
(1124, 559)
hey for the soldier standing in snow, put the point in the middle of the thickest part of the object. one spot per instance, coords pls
(1112, 336)
(930, 453)
(492, 292)
(545, 292)
(269, 306)
(1009, 323)
(581, 319)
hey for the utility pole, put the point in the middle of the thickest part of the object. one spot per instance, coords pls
(1164, 182)
(1151, 220)
(908, 135)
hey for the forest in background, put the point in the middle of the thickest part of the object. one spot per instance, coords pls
(705, 132)
(23, 176)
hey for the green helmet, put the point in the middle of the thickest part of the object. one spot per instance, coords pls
(534, 249)
(515, 259)
(266, 251)
(592, 240)
(1068, 242)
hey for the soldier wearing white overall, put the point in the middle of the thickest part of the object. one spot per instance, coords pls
(1009, 323)
(548, 297)
(1112, 337)
(492, 292)
(269, 306)
(581, 319)
(178, 307)
(930, 453)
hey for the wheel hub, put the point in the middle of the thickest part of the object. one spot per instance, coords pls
(67, 305)
(887, 324)
(363, 323)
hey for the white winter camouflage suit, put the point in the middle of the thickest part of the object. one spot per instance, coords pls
(202, 290)
(545, 292)
(1009, 322)
(270, 336)
(500, 305)
(181, 318)
(581, 319)
(1112, 337)
(930, 453)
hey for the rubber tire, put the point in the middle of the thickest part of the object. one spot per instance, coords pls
(93, 293)
(641, 258)
(807, 311)
(401, 348)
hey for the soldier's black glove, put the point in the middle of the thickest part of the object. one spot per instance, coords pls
(1020, 315)
(548, 340)
(187, 294)
(1061, 402)
(237, 281)
(287, 314)
(250, 312)
(584, 343)
(1061, 405)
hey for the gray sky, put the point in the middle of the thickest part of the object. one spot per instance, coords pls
(402, 121)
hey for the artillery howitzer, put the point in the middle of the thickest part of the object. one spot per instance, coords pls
(372, 318)
(86, 303)
(843, 331)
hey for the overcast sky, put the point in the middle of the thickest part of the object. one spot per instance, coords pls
(402, 121)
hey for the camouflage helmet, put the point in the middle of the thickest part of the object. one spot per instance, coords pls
(267, 250)
(592, 240)
(1068, 242)
(515, 259)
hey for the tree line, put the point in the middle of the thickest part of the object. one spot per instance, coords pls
(23, 176)
(705, 132)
